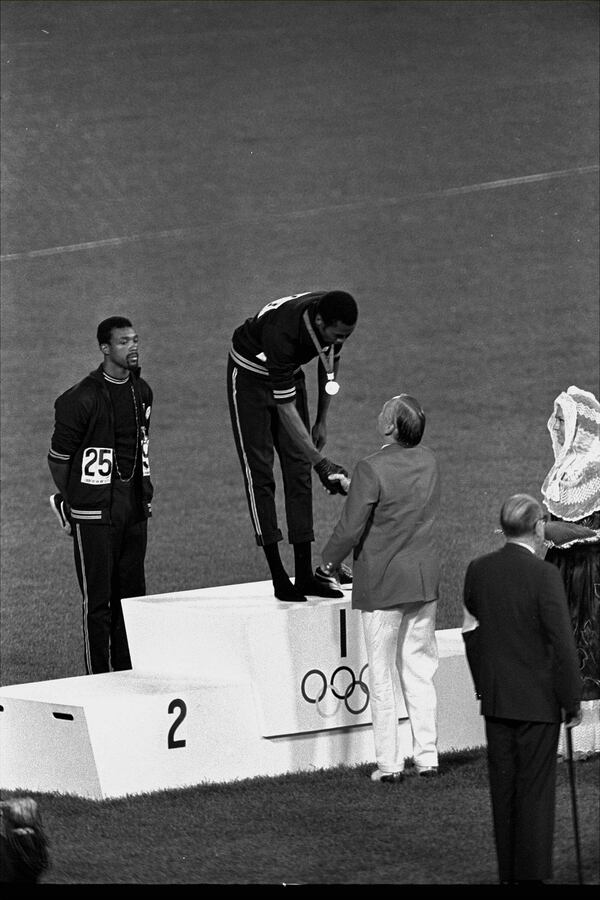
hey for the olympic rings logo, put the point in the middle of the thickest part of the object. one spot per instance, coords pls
(343, 683)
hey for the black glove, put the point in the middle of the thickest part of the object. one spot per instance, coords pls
(324, 468)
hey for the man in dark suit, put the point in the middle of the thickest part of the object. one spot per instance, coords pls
(524, 664)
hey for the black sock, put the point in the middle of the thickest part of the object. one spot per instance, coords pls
(303, 561)
(278, 573)
(282, 586)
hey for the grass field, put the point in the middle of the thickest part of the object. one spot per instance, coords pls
(184, 162)
(329, 827)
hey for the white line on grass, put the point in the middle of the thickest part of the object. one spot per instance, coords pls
(388, 201)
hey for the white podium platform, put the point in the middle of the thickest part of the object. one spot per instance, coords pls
(227, 683)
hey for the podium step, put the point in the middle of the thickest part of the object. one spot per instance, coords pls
(227, 683)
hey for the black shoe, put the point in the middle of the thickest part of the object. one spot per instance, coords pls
(327, 581)
(345, 575)
(315, 587)
(288, 593)
(57, 505)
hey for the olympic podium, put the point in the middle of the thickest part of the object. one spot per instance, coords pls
(227, 683)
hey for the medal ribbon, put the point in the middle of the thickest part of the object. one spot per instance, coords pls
(328, 364)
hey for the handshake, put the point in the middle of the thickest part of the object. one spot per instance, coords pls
(334, 478)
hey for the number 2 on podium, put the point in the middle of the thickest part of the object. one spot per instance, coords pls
(179, 707)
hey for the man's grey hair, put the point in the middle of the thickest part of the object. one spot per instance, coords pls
(519, 514)
(410, 420)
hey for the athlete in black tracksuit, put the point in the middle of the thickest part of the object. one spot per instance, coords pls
(269, 413)
(99, 461)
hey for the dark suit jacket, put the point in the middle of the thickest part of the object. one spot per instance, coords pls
(522, 656)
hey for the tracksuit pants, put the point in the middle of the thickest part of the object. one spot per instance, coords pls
(258, 435)
(109, 561)
(402, 654)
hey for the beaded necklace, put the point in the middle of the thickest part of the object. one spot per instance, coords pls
(137, 431)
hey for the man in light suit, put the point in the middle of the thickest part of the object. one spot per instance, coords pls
(524, 664)
(387, 523)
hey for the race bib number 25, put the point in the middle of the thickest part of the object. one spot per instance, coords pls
(96, 466)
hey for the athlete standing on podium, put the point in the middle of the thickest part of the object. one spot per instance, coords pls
(98, 459)
(269, 412)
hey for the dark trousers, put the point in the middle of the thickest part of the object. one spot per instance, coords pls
(109, 561)
(258, 435)
(522, 773)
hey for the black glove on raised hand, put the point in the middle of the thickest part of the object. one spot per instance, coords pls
(324, 468)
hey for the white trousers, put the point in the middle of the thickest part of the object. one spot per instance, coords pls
(402, 641)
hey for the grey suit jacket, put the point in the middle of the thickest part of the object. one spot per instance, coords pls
(522, 656)
(387, 523)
